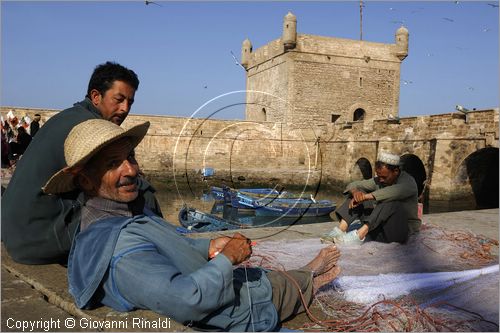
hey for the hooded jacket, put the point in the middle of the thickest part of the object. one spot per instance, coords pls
(141, 262)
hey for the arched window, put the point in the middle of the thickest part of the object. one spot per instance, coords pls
(359, 115)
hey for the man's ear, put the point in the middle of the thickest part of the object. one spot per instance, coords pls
(84, 182)
(95, 97)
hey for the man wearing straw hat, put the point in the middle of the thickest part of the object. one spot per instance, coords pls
(383, 208)
(37, 228)
(126, 257)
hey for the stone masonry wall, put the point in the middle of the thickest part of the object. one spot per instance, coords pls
(246, 152)
(322, 77)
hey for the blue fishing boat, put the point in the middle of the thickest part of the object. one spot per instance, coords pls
(276, 206)
(294, 207)
(198, 221)
(218, 192)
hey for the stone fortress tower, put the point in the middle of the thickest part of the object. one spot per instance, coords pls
(308, 79)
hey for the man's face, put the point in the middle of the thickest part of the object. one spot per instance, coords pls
(112, 173)
(115, 103)
(387, 176)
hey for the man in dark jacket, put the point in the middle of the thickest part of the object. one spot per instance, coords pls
(35, 125)
(383, 208)
(37, 228)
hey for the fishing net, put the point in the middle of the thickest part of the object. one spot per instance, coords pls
(438, 281)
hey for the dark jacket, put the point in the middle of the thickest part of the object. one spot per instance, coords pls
(38, 228)
(403, 190)
(34, 127)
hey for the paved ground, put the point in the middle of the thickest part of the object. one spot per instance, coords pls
(37, 296)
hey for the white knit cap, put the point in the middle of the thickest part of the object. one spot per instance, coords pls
(388, 158)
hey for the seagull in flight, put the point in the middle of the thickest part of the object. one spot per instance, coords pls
(407, 82)
(493, 5)
(448, 19)
(148, 2)
(236, 61)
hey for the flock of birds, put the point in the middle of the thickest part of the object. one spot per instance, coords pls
(429, 54)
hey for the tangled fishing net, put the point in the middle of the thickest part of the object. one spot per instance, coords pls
(438, 281)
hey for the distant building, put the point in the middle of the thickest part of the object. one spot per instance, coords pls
(303, 78)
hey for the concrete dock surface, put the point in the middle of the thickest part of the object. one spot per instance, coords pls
(36, 298)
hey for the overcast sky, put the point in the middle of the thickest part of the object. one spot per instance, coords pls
(182, 50)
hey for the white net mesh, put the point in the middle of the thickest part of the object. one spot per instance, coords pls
(439, 280)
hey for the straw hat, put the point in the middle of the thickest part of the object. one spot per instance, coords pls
(84, 141)
(388, 158)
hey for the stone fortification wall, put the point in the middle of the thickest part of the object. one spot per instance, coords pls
(245, 152)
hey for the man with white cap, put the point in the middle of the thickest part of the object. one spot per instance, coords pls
(384, 208)
(125, 257)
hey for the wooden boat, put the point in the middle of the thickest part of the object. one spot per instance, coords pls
(275, 206)
(294, 208)
(218, 192)
(198, 221)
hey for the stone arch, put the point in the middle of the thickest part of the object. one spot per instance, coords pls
(359, 114)
(413, 165)
(357, 110)
(480, 171)
(362, 169)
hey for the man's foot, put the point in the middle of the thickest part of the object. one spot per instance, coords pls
(351, 237)
(330, 236)
(320, 280)
(325, 260)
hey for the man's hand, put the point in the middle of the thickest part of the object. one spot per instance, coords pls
(238, 249)
(358, 197)
(216, 245)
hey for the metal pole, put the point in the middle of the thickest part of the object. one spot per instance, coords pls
(360, 19)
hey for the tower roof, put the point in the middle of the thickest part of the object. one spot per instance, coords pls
(290, 17)
(402, 30)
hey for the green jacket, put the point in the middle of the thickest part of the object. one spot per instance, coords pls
(38, 228)
(404, 190)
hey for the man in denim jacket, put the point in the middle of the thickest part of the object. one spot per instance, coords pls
(125, 257)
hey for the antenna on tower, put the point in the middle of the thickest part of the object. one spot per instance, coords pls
(360, 19)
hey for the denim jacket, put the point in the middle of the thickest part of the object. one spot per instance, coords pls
(141, 262)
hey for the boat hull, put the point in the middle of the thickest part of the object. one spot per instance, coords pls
(197, 221)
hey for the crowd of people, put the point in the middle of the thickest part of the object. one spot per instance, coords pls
(17, 133)
(92, 210)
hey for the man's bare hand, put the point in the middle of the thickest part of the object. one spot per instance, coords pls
(358, 197)
(216, 245)
(238, 249)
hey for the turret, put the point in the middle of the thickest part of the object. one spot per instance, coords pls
(402, 37)
(246, 49)
(289, 37)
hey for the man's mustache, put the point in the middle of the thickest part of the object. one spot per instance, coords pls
(127, 181)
